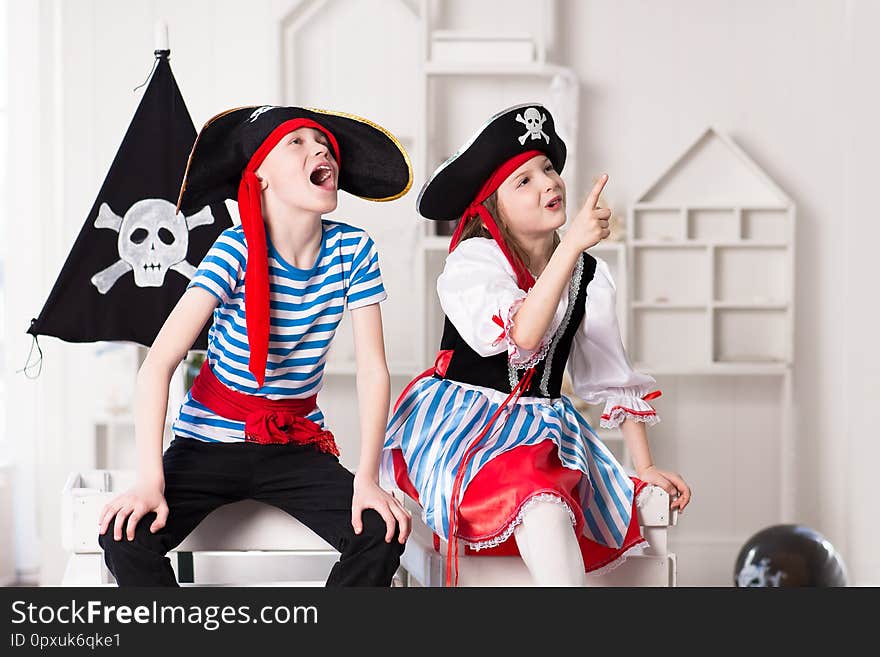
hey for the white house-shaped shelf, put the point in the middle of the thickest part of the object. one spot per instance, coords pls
(712, 257)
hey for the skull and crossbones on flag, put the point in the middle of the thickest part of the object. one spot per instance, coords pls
(135, 254)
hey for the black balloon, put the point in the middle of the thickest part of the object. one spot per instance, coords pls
(788, 556)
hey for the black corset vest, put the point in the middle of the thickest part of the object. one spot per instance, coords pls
(467, 366)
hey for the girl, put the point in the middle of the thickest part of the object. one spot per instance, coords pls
(487, 444)
(276, 286)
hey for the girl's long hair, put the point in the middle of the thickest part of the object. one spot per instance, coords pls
(475, 228)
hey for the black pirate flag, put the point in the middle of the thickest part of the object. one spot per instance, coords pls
(134, 256)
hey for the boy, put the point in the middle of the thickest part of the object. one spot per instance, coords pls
(276, 286)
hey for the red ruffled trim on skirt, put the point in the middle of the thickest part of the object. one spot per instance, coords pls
(499, 490)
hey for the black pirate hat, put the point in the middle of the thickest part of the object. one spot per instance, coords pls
(453, 186)
(459, 186)
(374, 165)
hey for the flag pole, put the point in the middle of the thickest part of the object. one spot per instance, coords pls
(160, 39)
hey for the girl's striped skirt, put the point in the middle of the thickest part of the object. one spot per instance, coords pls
(539, 449)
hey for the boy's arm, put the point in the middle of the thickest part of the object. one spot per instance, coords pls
(176, 336)
(174, 339)
(374, 394)
(373, 386)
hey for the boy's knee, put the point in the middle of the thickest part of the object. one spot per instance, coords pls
(142, 536)
(375, 530)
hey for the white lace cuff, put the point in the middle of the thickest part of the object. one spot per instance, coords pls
(619, 407)
(524, 358)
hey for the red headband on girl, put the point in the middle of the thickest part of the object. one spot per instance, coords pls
(524, 278)
(256, 278)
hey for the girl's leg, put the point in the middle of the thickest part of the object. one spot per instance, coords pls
(549, 547)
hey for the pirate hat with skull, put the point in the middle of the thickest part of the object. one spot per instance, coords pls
(227, 152)
(457, 189)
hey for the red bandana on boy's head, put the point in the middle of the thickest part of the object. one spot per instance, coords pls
(476, 210)
(256, 278)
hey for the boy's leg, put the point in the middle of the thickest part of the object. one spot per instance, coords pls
(316, 489)
(199, 477)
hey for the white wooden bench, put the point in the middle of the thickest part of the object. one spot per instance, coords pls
(423, 565)
(281, 542)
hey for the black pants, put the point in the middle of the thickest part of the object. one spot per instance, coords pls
(309, 485)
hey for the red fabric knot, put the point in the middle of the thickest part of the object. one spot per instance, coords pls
(266, 421)
(280, 427)
(652, 395)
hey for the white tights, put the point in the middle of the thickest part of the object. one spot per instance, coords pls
(548, 545)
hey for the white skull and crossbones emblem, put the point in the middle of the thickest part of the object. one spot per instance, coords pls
(534, 122)
(153, 238)
(260, 110)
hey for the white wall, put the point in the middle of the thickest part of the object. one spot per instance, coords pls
(790, 81)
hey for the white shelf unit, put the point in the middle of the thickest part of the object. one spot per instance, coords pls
(711, 257)
(466, 78)
(717, 276)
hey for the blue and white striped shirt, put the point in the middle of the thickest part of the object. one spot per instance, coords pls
(305, 308)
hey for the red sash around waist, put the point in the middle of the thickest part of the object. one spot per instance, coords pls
(266, 421)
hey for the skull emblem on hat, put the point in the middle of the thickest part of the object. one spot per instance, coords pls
(534, 122)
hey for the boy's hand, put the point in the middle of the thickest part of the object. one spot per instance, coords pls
(590, 225)
(672, 483)
(133, 505)
(369, 495)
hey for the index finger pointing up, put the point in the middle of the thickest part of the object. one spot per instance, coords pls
(593, 198)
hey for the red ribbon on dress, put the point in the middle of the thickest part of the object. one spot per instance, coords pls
(452, 541)
(256, 277)
(266, 421)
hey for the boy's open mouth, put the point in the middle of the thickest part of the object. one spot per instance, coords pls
(554, 203)
(322, 176)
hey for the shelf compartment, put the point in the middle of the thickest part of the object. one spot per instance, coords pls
(752, 276)
(468, 48)
(768, 225)
(662, 224)
(671, 275)
(713, 224)
(757, 336)
(664, 338)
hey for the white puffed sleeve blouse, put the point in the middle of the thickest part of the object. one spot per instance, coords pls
(598, 365)
(478, 293)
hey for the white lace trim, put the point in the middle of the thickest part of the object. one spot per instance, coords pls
(514, 353)
(635, 550)
(573, 289)
(508, 531)
(620, 414)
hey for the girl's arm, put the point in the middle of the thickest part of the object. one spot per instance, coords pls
(176, 336)
(587, 229)
(635, 435)
(373, 391)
